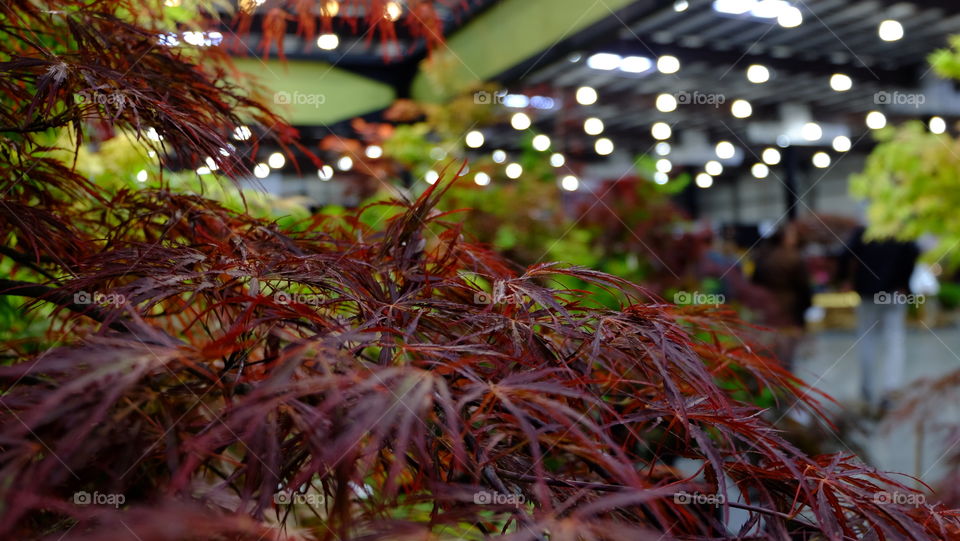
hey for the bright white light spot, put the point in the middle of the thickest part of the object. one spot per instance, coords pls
(570, 183)
(431, 177)
(499, 156)
(203, 170)
(666, 103)
(636, 64)
(328, 42)
(725, 150)
(662, 148)
(938, 125)
(153, 135)
(841, 143)
(330, 8)
(876, 120)
(713, 168)
(474, 139)
(668, 64)
(225, 152)
(520, 121)
(603, 146)
(211, 165)
(890, 30)
(841, 82)
(276, 160)
(481, 179)
(741, 108)
(541, 142)
(242, 133)
(733, 7)
(664, 165)
(768, 9)
(758, 74)
(604, 61)
(681, 5)
(586, 95)
(821, 160)
(790, 17)
(514, 170)
(811, 131)
(771, 156)
(660, 178)
(760, 170)
(593, 126)
(661, 131)
(261, 170)
(704, 180)
(142, 175)
(393, 11)
(345, 163)
(516, 101)
(373, 152)
(325, 173)
(557, 159)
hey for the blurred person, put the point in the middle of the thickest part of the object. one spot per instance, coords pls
(781, 270)
(881, 272)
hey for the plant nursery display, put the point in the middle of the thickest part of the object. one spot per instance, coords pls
(186, 359)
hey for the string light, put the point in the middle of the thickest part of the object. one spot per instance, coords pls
(276, 160)
(603, 146)
(758, 74)
(474, 139)
(661, 131)
(760, 170)
(593, 126)
(741, 108)
(586, 95)
(570, 183)
(938, 125)
(841, 143)
(541, 142)
(771, 156)
(328, 42)
(325, 173)
(520, 121)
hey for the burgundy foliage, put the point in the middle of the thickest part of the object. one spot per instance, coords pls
(240, 365)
